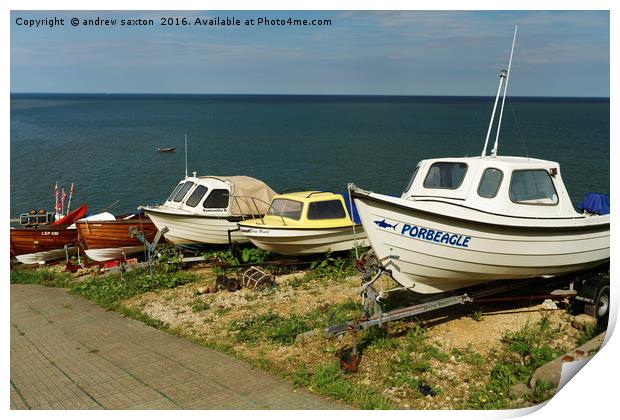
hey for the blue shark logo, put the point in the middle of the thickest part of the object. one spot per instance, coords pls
(383, 224)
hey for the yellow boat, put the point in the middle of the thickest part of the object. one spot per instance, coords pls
(306, 222)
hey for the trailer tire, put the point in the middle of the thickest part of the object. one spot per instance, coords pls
(600, 308)
(232, 285)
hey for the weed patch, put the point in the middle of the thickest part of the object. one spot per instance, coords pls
(42, 276)
(329, 380)
(200, 305)
(110, 290)
(531, 347)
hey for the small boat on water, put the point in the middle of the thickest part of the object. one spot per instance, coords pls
(463, 221)
(166, 149)
(306, 222)
(204, 210)
(41, 242)
(108, 237)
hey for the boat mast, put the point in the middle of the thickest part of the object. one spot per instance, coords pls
(503, 76)
(501, 112)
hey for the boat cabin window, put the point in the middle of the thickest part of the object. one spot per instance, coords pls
(447, 175)
(183, 191)
(533, 186)
(490, 182)
(175, 191)
(415, 172)
(196, 196)
(218, 199)
(330, 209)
(285, 208)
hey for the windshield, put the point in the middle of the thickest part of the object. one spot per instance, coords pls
(176, 190)
(448, 175)
(183, 191)
(285, 208)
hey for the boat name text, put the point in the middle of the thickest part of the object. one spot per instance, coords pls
(438, 236)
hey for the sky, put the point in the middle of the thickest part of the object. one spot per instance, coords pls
(558, 53)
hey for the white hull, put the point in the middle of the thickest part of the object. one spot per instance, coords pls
(105, 254)
(431, 263)
(195, 230)
(42, 257)
(305, 241)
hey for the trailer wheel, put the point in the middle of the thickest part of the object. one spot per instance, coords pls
(600, 308)
(232, 285)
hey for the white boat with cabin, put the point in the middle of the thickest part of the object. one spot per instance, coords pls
(470, 220)
(204, 210)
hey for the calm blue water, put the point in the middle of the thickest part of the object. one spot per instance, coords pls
(107, 144)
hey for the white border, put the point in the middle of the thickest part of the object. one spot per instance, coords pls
(590, 394)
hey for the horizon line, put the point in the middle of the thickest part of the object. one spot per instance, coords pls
(301, 94)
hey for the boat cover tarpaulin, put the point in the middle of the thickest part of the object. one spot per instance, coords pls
(595, 203)
(355, 216)
(244, 188)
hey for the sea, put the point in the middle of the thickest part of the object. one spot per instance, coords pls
(106, 144)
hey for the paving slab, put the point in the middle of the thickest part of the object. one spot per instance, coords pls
(67, 353)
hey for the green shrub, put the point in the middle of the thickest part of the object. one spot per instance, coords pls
(110, 290)
(42, 276)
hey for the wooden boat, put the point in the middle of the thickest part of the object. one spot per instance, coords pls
(471, 220)
(205, 210)
(110, 237)
(38, 245)
(306, 222)
(46, 242)
(166, 149)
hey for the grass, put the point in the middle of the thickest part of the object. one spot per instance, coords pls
(524, 351)
(109, 291)
(590, 331)
(328, 379)
(200, 305)
(330, 268)
(42, 276)
(280, 329)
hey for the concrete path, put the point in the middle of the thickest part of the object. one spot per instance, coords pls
(67, 353)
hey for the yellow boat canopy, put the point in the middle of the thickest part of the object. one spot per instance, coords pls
(305, 210)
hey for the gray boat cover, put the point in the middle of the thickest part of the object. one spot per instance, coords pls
(248, 195)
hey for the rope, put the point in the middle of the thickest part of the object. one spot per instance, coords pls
(514, 115)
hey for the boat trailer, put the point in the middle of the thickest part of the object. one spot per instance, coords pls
(150, 247)
(590, 288)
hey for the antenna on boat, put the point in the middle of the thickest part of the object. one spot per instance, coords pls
(503, 76)
(185, 155)
(501, 112)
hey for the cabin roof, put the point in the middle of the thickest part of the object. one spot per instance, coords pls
(489, 160)
(308, 196)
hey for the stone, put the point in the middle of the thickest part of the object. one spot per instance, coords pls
(549, 305)
(581, 321)
(519, 390)
(302, 338)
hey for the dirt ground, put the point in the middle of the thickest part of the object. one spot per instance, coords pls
(458, 332)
